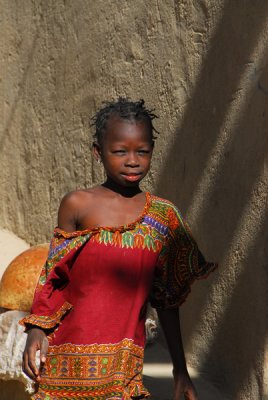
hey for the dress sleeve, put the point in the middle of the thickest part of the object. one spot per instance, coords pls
(180, 263)
(50, 303)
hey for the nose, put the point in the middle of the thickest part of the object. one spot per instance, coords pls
(132, 160)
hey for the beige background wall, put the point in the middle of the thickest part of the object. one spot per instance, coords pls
(203, 65)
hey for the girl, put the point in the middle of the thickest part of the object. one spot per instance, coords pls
(115, 248)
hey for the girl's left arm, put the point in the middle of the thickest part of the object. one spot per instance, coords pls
(170, 322)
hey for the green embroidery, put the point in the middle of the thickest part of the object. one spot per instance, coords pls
(77, 366)
(72, 244)
(149, 242)
(42, 280)
(106, 237)
(128, 239)
(53, 361)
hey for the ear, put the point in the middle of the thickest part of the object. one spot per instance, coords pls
(96, 151)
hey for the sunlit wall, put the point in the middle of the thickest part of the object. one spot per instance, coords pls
(203, 66)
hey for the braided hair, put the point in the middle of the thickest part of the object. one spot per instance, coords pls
(123, 108)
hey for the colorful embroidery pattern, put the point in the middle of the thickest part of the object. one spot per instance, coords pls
(77, 371)
(180, 260)
(47, 321)
(143, 236)
(59, 248)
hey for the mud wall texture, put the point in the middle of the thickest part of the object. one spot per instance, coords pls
(203, 65)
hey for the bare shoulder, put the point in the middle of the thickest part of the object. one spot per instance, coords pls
(76, 198)
(71, 207)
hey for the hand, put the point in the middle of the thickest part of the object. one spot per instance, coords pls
(184, 387)
(36, 340)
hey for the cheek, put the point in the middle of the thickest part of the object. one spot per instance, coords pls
(148, 165)
(147, 161)
(113, 163)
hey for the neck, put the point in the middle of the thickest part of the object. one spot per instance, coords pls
(123, 191)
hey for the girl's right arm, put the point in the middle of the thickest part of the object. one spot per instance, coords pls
(68, 212)
(36, 340)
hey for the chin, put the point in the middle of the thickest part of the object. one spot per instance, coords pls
(131, 184)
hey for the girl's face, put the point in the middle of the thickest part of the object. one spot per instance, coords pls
(126, 151)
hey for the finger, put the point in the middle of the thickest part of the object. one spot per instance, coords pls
(23, 366)
(191, 394)
(191, 397)
(43, 350)
(31, 360)
(33, 367)
(26, 368)
(179, 392)
(24, 361)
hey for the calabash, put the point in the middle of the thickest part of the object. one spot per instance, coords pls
(19, 280)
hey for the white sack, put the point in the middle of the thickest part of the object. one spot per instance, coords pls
(12, 342)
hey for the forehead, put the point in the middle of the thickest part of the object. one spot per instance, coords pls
(119, 129)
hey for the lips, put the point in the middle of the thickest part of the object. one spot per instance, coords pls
(132, 177)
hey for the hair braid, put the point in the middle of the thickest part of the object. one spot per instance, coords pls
(125, 109)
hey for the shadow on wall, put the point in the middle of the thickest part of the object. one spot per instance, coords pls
(218, 180)
(237, 346)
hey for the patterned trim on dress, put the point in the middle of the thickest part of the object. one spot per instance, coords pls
(180, 262)
(59, 248)
(142, 237)
(92, 371)
(46, 321)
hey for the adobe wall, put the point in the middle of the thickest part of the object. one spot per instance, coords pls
(203, 66)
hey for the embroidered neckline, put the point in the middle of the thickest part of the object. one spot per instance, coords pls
(120, 228)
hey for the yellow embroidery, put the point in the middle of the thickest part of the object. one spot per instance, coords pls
(90, 371)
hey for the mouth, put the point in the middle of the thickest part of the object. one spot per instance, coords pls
(132, 177)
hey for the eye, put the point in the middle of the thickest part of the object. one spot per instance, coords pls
(143, 151)
(119, 151)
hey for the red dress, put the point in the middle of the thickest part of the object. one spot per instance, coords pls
(92, 297)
